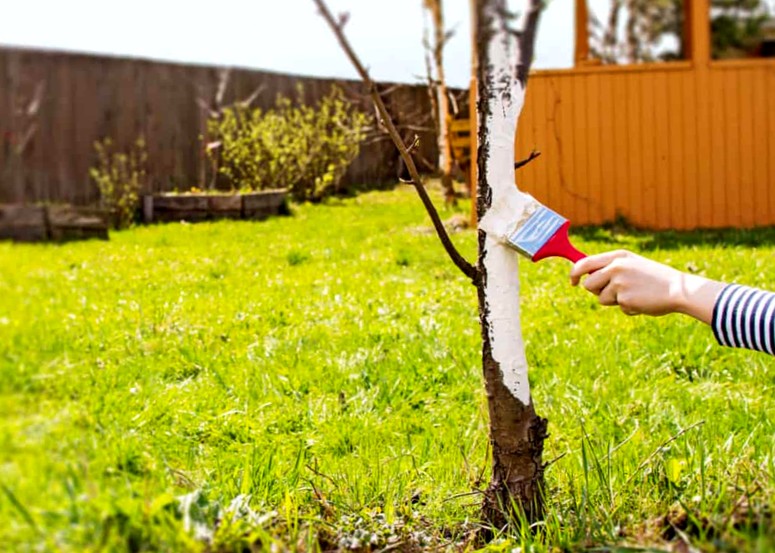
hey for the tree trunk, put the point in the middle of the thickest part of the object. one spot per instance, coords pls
(516, 433)
(442, 100)
(633, 40)
(610, 53)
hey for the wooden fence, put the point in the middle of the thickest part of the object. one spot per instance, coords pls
(678, 145)
(670, 145)
(54, 106)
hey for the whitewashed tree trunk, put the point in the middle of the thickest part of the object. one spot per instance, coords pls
(516, 432)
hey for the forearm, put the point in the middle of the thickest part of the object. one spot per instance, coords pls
(696, 296)
(744, 317)
(741, 317)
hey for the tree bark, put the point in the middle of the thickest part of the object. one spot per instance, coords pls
(442, 100)
(633, 40)
(610, 53)
(517, 433)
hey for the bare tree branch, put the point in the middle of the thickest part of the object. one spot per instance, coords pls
(29, 116)
(527, 39)
(426, 163)
(454, 108)
(246, 103)
(465, 267)
(609, 39)
(34, 106)
(519, 164)
(224, 75)
(390, 89)
(26, 138)
(440, 91)
(414, 145)
(432, 92)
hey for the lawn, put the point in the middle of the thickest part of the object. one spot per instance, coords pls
(314, 381)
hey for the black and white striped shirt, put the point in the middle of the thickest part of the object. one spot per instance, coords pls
(744, 317)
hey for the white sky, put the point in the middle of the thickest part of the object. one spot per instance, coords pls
(280, 35)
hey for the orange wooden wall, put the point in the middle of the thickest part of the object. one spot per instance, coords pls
(667, 146)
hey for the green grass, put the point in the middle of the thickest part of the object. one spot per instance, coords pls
(314, 381)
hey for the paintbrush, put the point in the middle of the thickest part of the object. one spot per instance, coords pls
(525, 224)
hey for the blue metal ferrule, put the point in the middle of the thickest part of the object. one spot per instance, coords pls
(536, 231)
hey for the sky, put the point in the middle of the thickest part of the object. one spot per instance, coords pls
(279, 35)
(287, 36)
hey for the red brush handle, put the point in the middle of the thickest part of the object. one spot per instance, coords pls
(559, 246)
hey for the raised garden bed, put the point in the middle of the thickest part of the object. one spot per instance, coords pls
(207, 207)
(29, 223)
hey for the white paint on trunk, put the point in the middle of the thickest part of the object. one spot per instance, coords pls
(508, 214)
(502, 288)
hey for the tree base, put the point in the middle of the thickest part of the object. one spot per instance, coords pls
(516, 491)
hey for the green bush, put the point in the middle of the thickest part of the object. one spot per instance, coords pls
(120, 176)
(304, 148)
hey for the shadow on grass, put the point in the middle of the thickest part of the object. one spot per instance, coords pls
(618, 236)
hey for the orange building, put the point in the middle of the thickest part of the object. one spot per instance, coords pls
(672, 145)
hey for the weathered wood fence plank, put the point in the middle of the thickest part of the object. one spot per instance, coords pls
(86, 98)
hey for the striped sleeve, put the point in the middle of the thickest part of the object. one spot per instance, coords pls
(744, 317)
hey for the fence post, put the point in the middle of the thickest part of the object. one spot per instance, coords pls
(697, 31)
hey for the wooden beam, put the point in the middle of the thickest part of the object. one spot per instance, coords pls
(697, 31)
(582, 33)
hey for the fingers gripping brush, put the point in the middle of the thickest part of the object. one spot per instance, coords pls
(531, 228)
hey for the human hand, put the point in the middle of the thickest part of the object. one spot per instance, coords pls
(642, 286)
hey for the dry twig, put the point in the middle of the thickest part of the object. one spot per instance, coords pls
(315, 471)
(519, 164)
(464, 494)
(662, 446)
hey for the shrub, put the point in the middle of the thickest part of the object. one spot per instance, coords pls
(120, 176)
(304, 148)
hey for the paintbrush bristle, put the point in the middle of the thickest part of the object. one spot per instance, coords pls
(529, 235)
(521, 222)
(506, 212)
